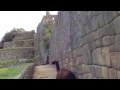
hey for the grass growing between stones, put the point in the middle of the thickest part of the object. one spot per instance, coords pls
(8, 61)
(17, 48)
(8, 73)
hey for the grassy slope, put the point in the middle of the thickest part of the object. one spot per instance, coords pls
(6, 73)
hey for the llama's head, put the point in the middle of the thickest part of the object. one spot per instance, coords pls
(54, 62)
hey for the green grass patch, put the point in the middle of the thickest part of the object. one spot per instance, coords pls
(8, 73)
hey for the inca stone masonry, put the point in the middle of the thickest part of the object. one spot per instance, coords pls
(88, 43)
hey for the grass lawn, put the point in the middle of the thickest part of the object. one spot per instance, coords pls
(7, 73)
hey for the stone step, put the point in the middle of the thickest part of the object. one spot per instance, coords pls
(44, 72)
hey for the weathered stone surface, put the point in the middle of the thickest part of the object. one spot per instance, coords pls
(89, 76)
(118, 74)
(99, 43)
(79, 69)
(116, 23)
(107, 40)
(71, 64)
(87, 52)
(108, 30)
(111, 48)
(106, 57)
(99, 33)
(117, 42)
(105, 72)
(79, 61)
(92, 46)
(92, 69)
(83, 68)
(75, 54)
(97, 56)
(79, 51)
(118, 12)
(94, 23)
(98, 71)
(115, 60)
(79, 76)
(112, 73)
(101, 19)
(88, 68)
(66, 60)
(111, 15)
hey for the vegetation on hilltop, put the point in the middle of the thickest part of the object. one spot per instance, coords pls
(10, 35)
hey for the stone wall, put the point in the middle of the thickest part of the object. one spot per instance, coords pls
(40, 30)
(37, 54)
(27, 73)
(17, 53)
(88, 43)
(19, 43)
(26, 34)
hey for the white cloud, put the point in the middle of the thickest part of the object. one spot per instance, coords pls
(28, 20)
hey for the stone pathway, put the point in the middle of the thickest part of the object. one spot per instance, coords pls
(44, 72)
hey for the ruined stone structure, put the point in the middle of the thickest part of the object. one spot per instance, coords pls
(88, 43)
(40, 29)
(21, 48)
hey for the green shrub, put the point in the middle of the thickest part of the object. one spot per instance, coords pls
(48, 29)
(9, 36)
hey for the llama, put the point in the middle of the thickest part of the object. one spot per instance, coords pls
(63, 73)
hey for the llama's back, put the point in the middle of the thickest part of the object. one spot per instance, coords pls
(65, 74)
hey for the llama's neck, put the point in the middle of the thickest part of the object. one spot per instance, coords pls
(57, 67)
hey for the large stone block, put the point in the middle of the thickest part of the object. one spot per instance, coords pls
(79, 69)
(92, 46)
(112, 73)
(116, 23)
(89, 76)
(108, 40)
(108, 30)
(87, 56)
(118, 74)
(98, 71)
(117, 42)
(79, 61)
(105, 72)
(112, 48)
(97, 56)
(115, 60)
(106, 57)
(101, 19)
(88, 68)
(94, 23)
(79, 51)
(111, 15)
(99, 43)
(92, 69)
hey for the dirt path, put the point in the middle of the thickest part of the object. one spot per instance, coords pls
(44, 72)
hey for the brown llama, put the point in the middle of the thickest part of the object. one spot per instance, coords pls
(63, 73)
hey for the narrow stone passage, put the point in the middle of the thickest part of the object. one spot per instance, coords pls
(44, 72)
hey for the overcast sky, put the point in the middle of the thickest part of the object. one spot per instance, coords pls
(28, 20)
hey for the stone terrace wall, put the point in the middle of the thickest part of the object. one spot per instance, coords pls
(19, 43)
(16, 53)
(27, 73)
(26, 34)
(88, 43)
